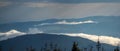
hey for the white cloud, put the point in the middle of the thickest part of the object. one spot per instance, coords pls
(11, 34)
(103, 39)
(34, 31)
(14, 33)
(2, 4)
(68, 23)
(65, 22)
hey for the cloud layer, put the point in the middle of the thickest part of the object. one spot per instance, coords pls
(34, 31)
(103, 39)
(14, 33)
(10, 34)
(68, 23)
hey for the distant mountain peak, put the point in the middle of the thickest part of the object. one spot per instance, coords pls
(10, 34)
(13, 31)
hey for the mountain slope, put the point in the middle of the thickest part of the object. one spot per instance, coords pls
(38, 41)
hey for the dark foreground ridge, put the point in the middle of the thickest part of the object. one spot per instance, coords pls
(50, 42)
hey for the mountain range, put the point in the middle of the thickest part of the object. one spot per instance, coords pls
(96, 25)
(38, 41)
(64, 32)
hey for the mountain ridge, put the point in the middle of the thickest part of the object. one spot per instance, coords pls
(38, 40)
(106, 25)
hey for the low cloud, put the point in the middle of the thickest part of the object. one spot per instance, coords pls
(14, 33)
(81, 22)
(68, 23)
(103, 39)
(10, 34)
(34, 31)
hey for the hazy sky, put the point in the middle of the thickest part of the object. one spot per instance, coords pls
(35, 10)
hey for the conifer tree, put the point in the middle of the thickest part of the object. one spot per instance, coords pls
(98, 45)
(10, 49)
(55, 49)
(103, 49)
(64, 49)
(75, 47)
(91, 48)
(51, 45)
(27, 49)
(116, 49)
(85, 49)
(31, 49)
(41, 49)
(0, 48)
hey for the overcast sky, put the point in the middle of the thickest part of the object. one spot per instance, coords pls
(36, 10)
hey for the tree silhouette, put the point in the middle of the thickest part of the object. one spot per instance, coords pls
(91, 48)
(27, 49)
(98, 45)
(85, 49)
(64, 49)
(10, 49)
(117, 48)
(41, 49)
(75, 48)
(0, 48)
(31, 49)
(51, 45)
(103, 48)
(46, 48)
(57, 49)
